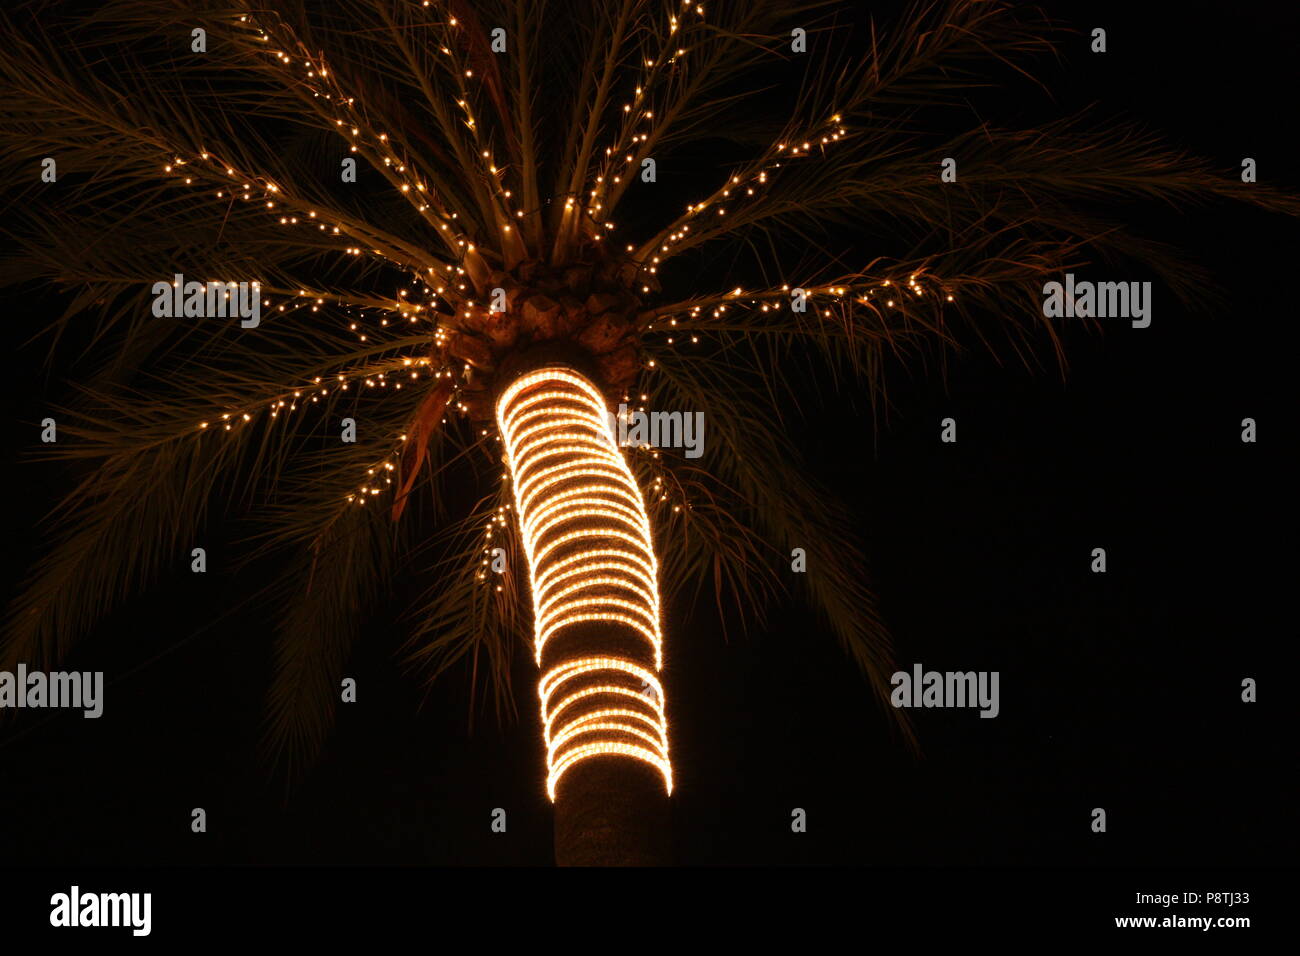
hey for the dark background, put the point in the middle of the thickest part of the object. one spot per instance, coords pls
(1119, 690)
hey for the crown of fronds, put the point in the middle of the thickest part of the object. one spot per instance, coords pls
(472, 162)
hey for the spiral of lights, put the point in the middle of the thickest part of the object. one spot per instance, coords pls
(590, 559)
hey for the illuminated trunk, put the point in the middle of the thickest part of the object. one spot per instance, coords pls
(597, 637)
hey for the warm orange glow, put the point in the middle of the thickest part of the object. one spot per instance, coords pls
(590, 559)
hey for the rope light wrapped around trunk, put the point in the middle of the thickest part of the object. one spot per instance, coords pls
(593, 575)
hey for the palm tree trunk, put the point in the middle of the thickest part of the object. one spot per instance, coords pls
(594, 581)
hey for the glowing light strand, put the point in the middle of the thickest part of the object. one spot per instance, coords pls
(587, 539)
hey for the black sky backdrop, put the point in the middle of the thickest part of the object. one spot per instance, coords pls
(1119, 690)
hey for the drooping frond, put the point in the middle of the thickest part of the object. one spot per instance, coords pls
(330, 586)
(775, 498)
(476, 606)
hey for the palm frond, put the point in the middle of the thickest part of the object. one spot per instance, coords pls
(749, 448)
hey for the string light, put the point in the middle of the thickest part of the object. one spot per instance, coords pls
(590, 559)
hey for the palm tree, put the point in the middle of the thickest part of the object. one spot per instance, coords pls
(428, 194)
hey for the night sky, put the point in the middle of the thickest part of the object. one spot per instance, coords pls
(1119, 690)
